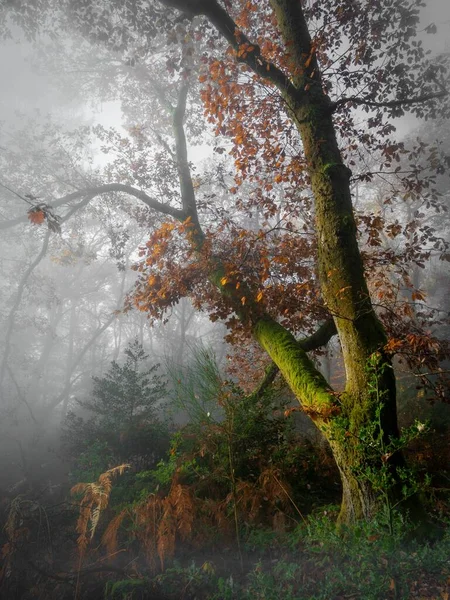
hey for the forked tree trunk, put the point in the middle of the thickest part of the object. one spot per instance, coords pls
(344, 289)
(341, 272)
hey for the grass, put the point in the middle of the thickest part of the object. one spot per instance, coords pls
(314, 563)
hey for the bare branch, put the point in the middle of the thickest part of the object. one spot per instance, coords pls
(388, 103)
(15, 306)
(92, 192)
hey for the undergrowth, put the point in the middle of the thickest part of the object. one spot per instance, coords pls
(237, 509)
(313, 562)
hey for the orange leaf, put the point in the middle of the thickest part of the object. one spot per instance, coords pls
(418, 295)
(36, 216)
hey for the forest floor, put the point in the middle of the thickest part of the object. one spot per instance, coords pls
(314, 563)
(310, 562)
(300, 557)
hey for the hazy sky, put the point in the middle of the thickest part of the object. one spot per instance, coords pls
(438, 12)
(23, 89)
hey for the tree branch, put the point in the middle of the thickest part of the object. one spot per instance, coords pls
(15, 306)
(225, 25)
(183, 167)
(20, 395)
(269, 377)
(319, 338)
(389, 103)
(308, 384)
(56, 401)
(91, 192)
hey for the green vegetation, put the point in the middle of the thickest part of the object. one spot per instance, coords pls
(239, 504)
(313, 563)
(239, 508)
(121, 420)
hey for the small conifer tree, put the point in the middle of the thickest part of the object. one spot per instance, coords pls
(125, 424)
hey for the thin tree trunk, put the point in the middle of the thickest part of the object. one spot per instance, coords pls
(69, 361)
(12, 314)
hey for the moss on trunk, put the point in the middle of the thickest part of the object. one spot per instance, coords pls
(307, 383)
(341, 269)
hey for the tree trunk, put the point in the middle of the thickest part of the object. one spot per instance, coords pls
(341, 272)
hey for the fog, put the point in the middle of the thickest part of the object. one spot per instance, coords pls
(76, 115)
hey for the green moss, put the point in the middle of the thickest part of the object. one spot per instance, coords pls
(307, 383)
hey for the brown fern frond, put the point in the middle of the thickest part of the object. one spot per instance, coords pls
(166, 533)
(95, 517)
(113, 472)
(94, 501)
(82, 527)
(147, 517)
(105, 479)
(254, 510)
(15, 534)
(249, 498)
(14, 516)
(79, 488)
(83, 519)
(109, 538)
(183, 504)
(219, 515)
(274, 488)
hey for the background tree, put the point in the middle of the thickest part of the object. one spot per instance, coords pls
(125, 404)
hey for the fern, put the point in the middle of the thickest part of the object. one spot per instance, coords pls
(157, 523)
(16, 534)
(183, 505)
(94, 501)
(109, 538)
(166, 533)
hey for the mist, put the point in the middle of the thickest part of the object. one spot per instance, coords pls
(159, 206)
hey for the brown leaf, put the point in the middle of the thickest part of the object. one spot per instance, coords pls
(36, 216)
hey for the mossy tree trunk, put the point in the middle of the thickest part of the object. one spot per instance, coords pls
(341, 418)
(341, 271)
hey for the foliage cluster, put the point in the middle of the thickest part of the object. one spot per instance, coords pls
(238, 463)
(125, 423)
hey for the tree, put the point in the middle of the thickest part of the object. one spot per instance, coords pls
(318, 63)
(124, 404)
